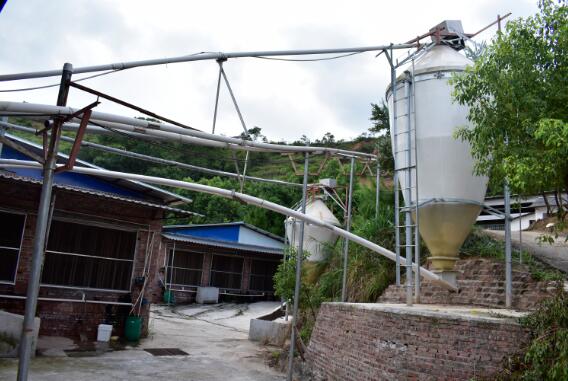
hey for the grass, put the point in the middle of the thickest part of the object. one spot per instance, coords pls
(482, 245)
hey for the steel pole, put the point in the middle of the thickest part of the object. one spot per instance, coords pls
(27, 337)
(378, 188)
(520, 230)
(3, 120)
(201, 57)
(408, 201)
(395, 175)
(348, 229)
(508, 268)
(299, 255)
(417, 253)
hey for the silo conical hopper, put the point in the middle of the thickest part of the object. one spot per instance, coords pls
(449, 194)
(316, 239)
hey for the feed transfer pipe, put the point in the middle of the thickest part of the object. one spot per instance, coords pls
(151, 128)
(241, 197)
(201, 57)
(153, 159)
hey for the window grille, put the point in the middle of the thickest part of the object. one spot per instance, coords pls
(87, 256)
(12, 228)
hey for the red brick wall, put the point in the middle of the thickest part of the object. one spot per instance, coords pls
(70, 318)
(481, 283)
(367, 342)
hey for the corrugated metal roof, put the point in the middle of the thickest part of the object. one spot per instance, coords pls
(224, 244)
(132, 185)
(11, 176)
(220, 224)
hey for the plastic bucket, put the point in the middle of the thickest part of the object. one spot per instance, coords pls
(133, 328)
(169, 297)
(104, 332)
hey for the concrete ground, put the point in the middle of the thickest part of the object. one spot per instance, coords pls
(555, 255)
(214, 336)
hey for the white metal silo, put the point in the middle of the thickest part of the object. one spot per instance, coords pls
(449, 194)
(316, 239)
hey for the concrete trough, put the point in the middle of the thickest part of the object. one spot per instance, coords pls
(10, 331)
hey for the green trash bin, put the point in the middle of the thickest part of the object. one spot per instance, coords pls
(169, 297)
(133, 328)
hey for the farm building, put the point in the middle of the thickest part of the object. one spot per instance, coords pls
(237, 258)
(104, 247)
(531, 209)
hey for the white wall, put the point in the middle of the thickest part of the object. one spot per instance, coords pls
(250, 237)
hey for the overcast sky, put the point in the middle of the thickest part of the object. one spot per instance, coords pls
(285, 99)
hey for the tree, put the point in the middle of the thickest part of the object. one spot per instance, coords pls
(381, 125)
(380, 118)
(517, 97)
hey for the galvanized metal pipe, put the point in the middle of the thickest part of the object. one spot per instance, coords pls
(508, 261)
(378, 188)
(154, 159)
(417, 198)
(241, 197)
(143, 126)
(395, 175)
(408, 200)
(201, 57)
(298, 284)
(67, 300)
(347, 228)
(39, 243)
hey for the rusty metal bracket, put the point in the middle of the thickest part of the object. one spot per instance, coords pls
(76, 114)
(76, 144)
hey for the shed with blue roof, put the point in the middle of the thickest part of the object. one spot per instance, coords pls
(237, 258)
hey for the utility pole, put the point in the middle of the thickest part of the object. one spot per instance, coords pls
(42, 226)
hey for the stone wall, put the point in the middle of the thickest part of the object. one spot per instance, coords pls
(352, 341)
(481, 282)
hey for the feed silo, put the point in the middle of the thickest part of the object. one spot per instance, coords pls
(317, 239)
(449, 194)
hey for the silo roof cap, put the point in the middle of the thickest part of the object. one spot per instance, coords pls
(441, 58)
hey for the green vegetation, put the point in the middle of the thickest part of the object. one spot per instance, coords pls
(479, 244)
(369, 274)
(546, 356)
(516, 94)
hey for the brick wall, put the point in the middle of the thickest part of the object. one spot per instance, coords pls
(71, 319)
(481, 283)
(376, 342)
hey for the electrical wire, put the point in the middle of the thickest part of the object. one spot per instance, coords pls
(57, 84)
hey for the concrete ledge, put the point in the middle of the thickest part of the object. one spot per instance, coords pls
(439, 311)
(10, 331)
(355, 341)
(269, 332)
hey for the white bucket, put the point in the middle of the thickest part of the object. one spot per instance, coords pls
(104, 332)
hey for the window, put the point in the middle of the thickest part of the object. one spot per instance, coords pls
(12, 227)
(226, 272)
(88, 257)
(261, 275)
(184, 268)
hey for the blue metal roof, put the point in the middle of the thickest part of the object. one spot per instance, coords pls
(228, 233)
(237, 234)
(72, 179)
(126, 189)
